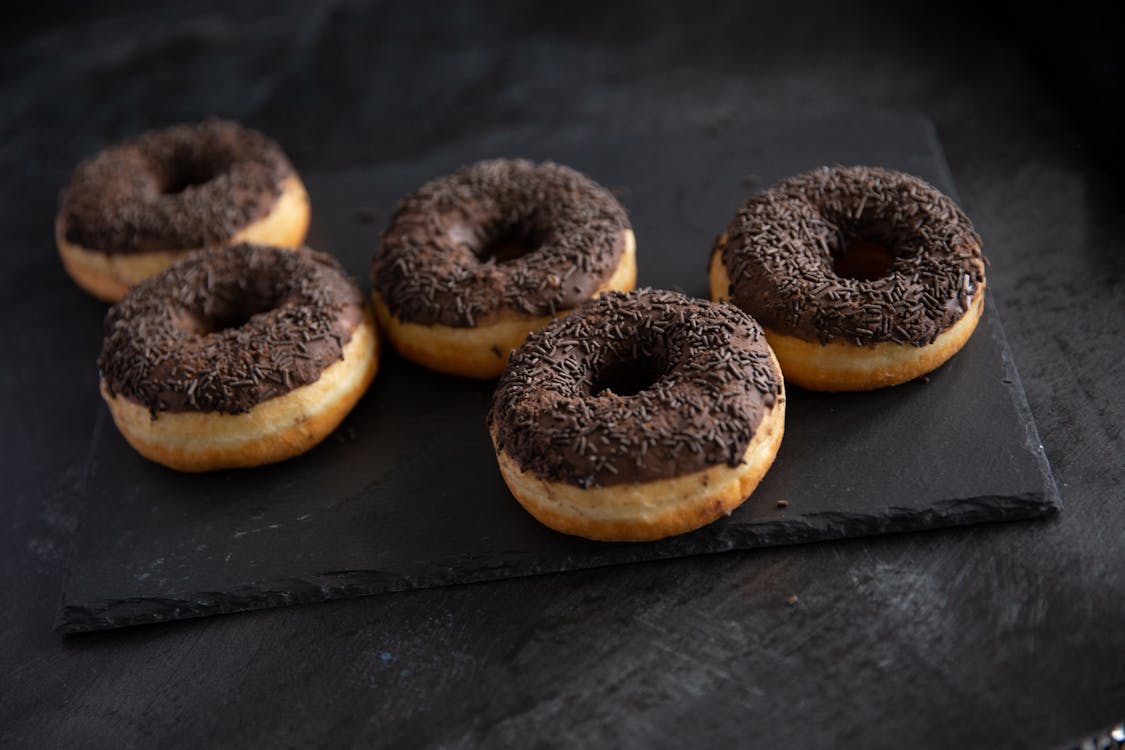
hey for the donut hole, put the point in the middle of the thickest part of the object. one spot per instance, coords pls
(864, 259)
(192, 170)
(627, 377)
(229, 313)
(509, 243)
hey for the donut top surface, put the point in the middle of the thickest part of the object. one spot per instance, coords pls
(435, 262)
(635, 387)
(224, 330)
(781, 247)
(181, 188)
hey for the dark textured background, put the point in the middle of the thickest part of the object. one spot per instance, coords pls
(989, 637)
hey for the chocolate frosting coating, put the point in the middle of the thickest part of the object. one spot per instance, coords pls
(224, 330)
(709, 378)
(431, 265)
(781, 245)
(182, 188)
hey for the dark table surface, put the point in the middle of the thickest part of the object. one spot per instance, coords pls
(1009, 635)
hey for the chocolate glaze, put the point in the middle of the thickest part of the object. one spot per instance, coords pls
(224, 330)
(556, 414)
(430, 265)
(781, 244)
(185, 187)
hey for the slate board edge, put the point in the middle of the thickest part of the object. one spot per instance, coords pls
(82, 504)
(1019, 398)
(336, 585)
(1015, 387)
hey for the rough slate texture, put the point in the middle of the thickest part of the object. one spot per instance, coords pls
(408, 494)
(1005, 635)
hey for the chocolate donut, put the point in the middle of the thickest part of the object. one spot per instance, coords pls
(135, 208)
(861, 276)
(638, 416)
(237, 356)
(474, 261)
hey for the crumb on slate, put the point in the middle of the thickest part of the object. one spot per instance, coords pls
(792, 600)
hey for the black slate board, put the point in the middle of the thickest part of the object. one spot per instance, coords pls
(406, 494)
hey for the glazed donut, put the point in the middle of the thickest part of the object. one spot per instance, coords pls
(238, 356)
(137, 207)
(473, 262)
(862, 277)
(639, 416)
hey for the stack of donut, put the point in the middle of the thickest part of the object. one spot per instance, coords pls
(230, 345)
(619, 415)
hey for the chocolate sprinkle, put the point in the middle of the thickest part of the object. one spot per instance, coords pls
(781, 245)
(182, 188)
(432, 265)
(706, 381)
(224, 330)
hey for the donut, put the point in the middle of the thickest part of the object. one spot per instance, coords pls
(237, 356)
(862, 277)
(474, 261)
(136, 207)
(639, 416)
